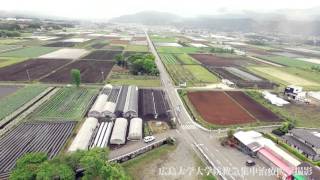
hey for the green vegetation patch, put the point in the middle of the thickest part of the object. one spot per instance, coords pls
(138, 80)
(201, 74)
(68, 103)
(163, 49)
(6, 61)
(287, 61)
(162, 39)
(14, 101)
(287, 76)
(186, 59)
(29, 52)
(138, 48)
(169, 59)
(11, 41)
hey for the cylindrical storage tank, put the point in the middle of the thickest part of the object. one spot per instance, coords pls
(135, 129)
(119, 131)
(82, 139)
(97, 108)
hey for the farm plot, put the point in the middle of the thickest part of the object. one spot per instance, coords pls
(30, 70)
(4, 48)
(29, 52)
(17, 99)
(6, 90)
(33, 137)
(169, 59)
(257, 110)
(67, 103)
(217, 108)
(180, 49)
(280, 75)
(288, 61)
(153, 105)
(242, 74)
(194, 75)
(65, 54)
(185, 59)
(220, 61)
(6, 61)
(61, 44)
(102, 55)
(137, 48)
(92, 71)
(242, 82)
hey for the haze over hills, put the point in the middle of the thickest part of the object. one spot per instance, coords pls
(286, 21)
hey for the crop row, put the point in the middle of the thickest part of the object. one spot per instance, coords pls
(12, 102)
(68, 103)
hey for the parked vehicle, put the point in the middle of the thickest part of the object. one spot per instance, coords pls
(148, 139)
(250, 162)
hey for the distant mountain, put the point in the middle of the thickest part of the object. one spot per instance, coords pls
(149, 18)
(276, 22)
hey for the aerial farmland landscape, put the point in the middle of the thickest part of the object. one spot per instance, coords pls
(160, 90)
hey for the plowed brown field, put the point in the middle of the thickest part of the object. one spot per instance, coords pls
(218, 108)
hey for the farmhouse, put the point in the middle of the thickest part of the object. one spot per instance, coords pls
(308, 143)
(254, 143)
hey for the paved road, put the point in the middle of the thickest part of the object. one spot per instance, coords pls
(221, 157)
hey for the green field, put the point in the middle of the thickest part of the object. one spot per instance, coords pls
(138, 48)
(14, 101)
(129, 79)
(4, 48)
(6, 61)
(68, 103)
(180, 49)
(169, 59)
(194, 75)
(10, 41)
(29, 52)
(186, 59)
(288, 76)
(287, 61)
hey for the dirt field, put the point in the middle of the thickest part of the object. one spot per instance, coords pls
(123, 42)
(102, 55)
(218, 108)
(139, 38)
(217, 61)
(6, 90)
(257, 110)
(90, 72)
(36, 68)
(65, 54)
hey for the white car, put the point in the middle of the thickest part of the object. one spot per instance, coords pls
(148, 139)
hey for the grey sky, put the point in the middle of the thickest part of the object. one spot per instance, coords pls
(111, 8)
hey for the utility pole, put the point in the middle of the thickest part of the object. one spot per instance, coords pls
(102, 75)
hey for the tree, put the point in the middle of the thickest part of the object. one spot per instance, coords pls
(76, 77)
(120, 61)
(53, 170)
(230, 133)
(28, 165)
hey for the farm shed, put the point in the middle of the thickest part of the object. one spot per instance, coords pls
(131, 105)
(97, 108)
(135, 129)
(82, 140)
(119, 131)
(102, 137)
(110, 107)
(121, 101)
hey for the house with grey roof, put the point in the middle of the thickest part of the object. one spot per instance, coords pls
(305, 141)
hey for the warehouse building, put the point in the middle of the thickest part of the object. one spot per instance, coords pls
(82, 140)
(135, 129)
(119, 131)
